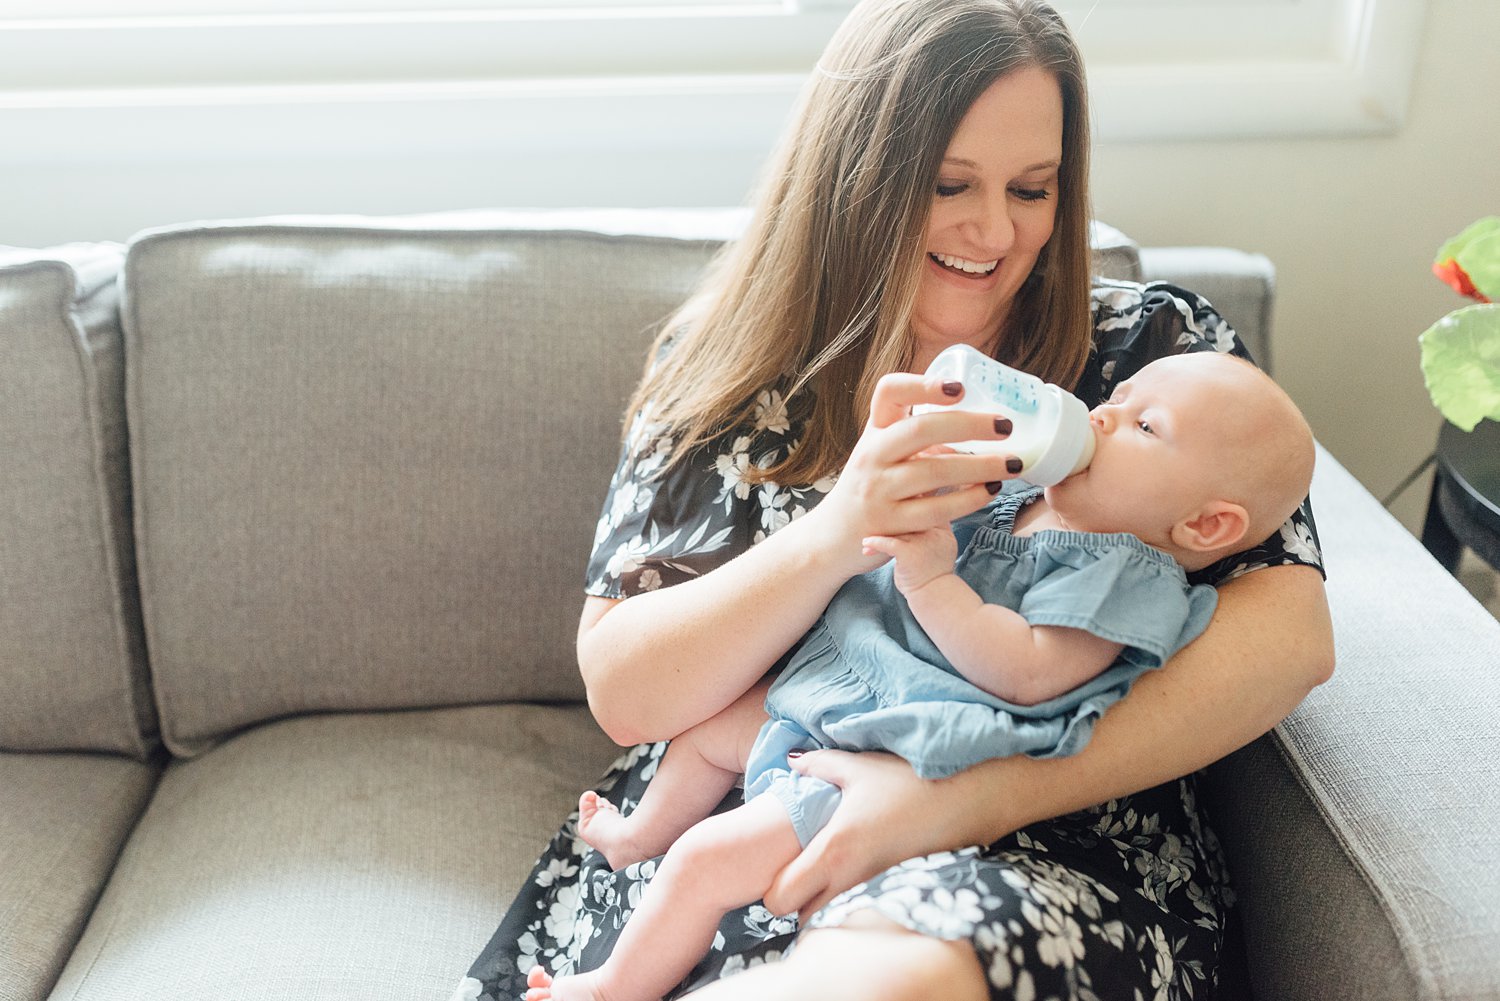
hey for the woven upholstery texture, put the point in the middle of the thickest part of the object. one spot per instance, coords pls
(72, 667)
(63, 818)
(362, 856)
(399, 440)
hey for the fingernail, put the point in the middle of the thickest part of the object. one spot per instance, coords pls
(1012, 465)
(952, 388)
(794, 754)
(994, 486)
(1002, 425)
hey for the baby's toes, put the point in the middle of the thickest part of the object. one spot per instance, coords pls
(537, 978)
(591, 803)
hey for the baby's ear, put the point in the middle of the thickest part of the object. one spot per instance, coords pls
(1216, 525)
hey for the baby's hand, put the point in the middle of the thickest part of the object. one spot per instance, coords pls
(920, 556)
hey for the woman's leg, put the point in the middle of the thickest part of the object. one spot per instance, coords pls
(868, 958)
(1123, 900)
(722, 863)
(700, 766)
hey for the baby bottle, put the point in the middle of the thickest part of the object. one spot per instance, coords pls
(1051, 434)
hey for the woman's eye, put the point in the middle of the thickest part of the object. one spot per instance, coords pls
(949, 190)
(1031, 194)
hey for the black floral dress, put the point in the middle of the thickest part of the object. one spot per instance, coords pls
(1125, 900)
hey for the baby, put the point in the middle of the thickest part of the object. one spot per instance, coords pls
(1060, 599)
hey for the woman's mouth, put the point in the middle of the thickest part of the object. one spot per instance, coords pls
(963, 266)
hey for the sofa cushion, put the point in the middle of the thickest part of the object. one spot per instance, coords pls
(72, 667)
(370, 454)
(1115, 255)
(63, 818)
(1361, 833)
(342, 856)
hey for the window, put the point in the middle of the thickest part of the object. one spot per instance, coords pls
(60, 48)
(226, 78)
(1220, 68)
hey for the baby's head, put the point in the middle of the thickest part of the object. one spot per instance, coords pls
(1199, 454)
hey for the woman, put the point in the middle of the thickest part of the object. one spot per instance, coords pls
(932, 191)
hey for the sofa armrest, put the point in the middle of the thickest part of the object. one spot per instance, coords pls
(1241, 286)
(1361, 833)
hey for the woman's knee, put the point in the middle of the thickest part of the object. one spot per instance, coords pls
(873, 959)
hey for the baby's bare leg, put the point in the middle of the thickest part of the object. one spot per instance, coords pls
(722, 863)
(699, 768)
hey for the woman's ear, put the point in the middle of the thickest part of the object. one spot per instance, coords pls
(1216, 525)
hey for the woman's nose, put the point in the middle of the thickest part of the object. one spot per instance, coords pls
(993, 228)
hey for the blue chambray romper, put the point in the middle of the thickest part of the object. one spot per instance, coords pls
(866, 677)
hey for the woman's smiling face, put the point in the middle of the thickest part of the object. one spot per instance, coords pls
(993, 210)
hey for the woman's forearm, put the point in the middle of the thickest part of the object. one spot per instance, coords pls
(659, 662)
(656, 663)
(1269, 644)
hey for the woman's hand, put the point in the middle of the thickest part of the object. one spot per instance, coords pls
(887, 815)
(898, 479)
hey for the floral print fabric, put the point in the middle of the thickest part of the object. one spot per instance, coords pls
(1125, 900)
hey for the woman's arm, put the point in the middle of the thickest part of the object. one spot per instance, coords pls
(659, 662)
(1210, 699)
(656, 663)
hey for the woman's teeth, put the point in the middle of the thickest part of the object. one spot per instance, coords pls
(967, 267)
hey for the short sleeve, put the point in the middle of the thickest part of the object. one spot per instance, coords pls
(1117, 588)
(661, 526)
(1135, 324)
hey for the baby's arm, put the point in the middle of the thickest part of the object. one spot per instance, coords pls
(990, 645)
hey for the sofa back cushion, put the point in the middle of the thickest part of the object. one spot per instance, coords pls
(369, 454)
(72, 665)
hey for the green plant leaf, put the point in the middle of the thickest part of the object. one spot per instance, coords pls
(1477, 251)
(1461, 364)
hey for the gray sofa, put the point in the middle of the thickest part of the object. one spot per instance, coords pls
(293, 518)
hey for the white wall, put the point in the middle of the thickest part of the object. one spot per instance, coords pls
(1351, 223)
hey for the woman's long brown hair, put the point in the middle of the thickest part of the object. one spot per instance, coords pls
(816, 297)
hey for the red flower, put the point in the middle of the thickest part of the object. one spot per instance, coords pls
(1449, 272)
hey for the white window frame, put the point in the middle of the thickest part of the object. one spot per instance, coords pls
(1280, 67)
(666, 76)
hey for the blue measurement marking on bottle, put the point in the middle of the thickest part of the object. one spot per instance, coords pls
(1016, 394)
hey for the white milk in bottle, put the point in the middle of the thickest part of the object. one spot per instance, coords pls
(1051, 434)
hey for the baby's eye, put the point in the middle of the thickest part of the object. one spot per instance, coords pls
(1145, 426)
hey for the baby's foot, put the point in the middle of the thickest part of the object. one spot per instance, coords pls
(601, 824)
(541, 987)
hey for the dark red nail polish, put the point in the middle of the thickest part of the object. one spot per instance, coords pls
(1013, 465)
(794, 754)
(952, 388)
(1002, 425)
(994, 486)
